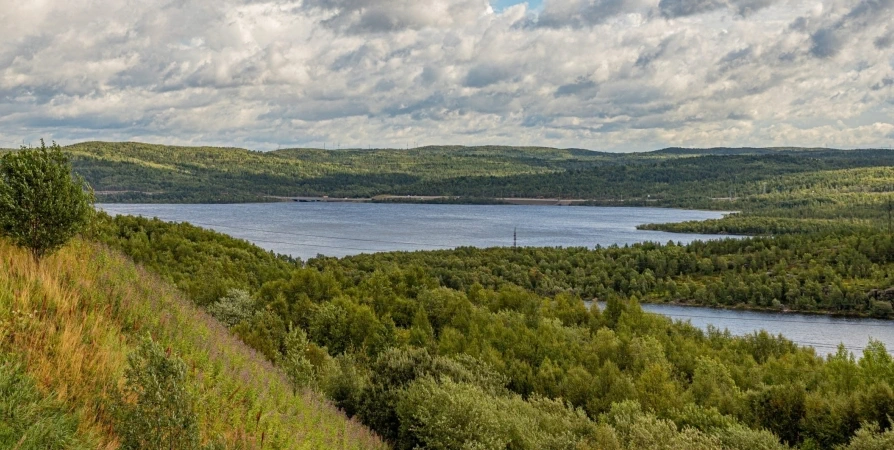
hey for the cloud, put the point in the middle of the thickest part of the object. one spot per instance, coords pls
(825, 43)
(682, 8)
(483, 75)
(602, 74)
(884, 41)
(865, 14)
(380, 16)
(581, 13)
(582, 88)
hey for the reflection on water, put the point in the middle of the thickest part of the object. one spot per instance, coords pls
(823, 333)
(339, 229)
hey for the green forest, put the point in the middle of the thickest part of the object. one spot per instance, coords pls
(505, 348)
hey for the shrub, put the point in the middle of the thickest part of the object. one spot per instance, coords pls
(294, 362)
(344, 383)
(446, 415)
(869, 437)
(233, 308)
(155, 410)
(882, 309)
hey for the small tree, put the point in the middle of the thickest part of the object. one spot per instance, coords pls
(42, 205)
(294, 362)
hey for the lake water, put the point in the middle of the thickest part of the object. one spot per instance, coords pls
(305, 230)
(823, 333)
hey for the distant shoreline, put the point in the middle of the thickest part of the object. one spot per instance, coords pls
(462, 200)
(432, 199)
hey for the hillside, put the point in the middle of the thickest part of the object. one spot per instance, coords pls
(67, 326)
(681, 151)
(134, 172)
(145, 172)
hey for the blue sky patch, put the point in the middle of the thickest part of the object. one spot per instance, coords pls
(502, 4)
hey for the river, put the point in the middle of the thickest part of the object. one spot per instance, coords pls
(823, 333)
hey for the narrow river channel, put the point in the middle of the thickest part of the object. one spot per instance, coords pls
(823, 333)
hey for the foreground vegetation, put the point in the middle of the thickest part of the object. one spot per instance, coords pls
(67, 327)
(496, 349)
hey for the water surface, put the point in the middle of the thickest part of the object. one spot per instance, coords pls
(305, 230)
(823, 333)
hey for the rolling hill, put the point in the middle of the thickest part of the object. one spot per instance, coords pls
(135, 172)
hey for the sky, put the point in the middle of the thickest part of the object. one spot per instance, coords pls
(610, 75)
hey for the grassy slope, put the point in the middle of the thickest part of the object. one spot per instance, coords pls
(72, 319)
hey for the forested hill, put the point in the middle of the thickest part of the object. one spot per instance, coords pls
(680, 151)
(134, 172)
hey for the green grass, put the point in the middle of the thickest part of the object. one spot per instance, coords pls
(31, 419)
(72, 319)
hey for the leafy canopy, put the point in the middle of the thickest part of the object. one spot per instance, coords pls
(42, 204)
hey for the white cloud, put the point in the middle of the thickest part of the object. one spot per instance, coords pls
(601, 74)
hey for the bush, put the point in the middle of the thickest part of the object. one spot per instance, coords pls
(869, 437)
(448, 415)
(233, 308)
(42, 205)
(155, 410)
(882, 309)
(344, 383)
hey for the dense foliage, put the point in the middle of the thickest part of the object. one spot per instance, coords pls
(496, 348)
(846, 272)
(203, 264)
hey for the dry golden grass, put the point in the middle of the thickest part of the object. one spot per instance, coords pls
(74, 317)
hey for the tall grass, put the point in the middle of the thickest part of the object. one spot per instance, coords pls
(73, 318)
(30, 419)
